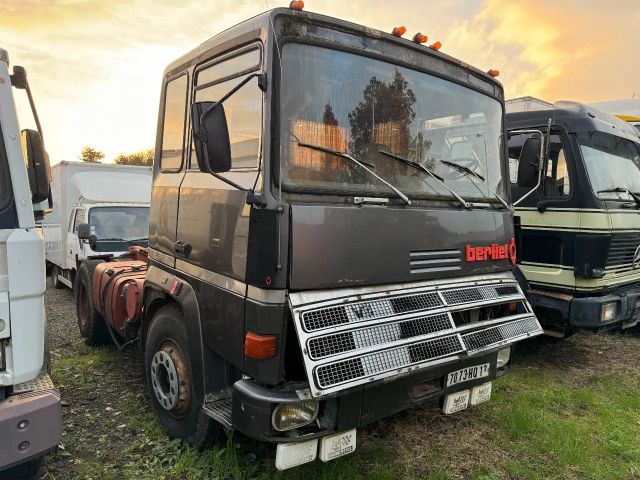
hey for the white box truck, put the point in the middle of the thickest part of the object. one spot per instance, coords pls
(113, 200)
(30, 414)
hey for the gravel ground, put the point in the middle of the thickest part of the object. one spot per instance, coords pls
(96, 386)
(110, 431)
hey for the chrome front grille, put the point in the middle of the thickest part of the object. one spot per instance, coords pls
(355, 336)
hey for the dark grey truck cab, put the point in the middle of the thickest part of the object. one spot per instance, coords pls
(317, 243)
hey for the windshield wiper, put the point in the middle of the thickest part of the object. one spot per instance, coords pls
(359, 163)
(470, 173)
(635, 196)
(421, 167)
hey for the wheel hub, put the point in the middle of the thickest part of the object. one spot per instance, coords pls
(170, 379)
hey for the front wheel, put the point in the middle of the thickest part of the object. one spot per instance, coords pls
(171, 383)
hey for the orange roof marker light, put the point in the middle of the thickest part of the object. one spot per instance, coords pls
(436, 45)
(296, 5)
(420, 38)
(494, 73)
(399, 31)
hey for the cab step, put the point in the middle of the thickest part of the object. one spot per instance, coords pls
(219, 410)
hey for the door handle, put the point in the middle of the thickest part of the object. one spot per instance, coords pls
(182, 248)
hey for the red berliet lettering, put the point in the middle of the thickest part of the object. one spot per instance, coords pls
(492, 252)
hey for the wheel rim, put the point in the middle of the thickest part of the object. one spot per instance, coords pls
(170, 379)
(83, 307)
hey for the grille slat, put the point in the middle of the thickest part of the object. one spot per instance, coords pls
(321, 347)
(489, 337)
(433, 261)
(333, 374)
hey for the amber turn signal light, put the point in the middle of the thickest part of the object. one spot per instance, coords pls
(296, 5)
(436, 45)
(260, 347)
(420, 38)
(494, 73)
(399, 31)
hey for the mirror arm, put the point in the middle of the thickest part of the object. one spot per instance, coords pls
(262, 83)
(229, 182)
(541, 162)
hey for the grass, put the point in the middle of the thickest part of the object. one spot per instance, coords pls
(544, 421)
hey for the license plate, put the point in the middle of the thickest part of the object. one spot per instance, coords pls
(338, 445)
(468, 374)
(455, 402)
(289, 455)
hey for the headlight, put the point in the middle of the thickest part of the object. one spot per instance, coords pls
(503, 357)
(608, 312)
(288, 416)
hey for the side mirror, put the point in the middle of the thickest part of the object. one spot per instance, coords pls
(37, 165)
(84, 231)
(211, 137)
(529, 163)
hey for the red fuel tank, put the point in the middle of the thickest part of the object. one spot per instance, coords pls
(117, 293)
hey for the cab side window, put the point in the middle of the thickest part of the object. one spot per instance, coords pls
(556, 182)
(78, 219)
(175, 104)
(243, 109)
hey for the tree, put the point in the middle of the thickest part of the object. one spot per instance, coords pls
(91, 155)
(142, 157)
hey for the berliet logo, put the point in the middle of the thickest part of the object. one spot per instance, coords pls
(636, 258)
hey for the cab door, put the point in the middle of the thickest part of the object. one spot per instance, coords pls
(168, 171)
(548, 220)
(74, 247)
(213, 216)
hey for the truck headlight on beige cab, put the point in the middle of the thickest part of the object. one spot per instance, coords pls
(287, 416)
(608, 312)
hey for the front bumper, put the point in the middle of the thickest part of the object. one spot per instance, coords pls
(30, 422)
(252, 404)
(584, 312)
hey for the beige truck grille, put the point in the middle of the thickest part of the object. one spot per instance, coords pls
(350, 338)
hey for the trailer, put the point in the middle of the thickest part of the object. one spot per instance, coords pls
(113, 200)
(30, 413)
(329, 244)
(627, 109)
(575, 186)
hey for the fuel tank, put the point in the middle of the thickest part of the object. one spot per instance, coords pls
(117, 289)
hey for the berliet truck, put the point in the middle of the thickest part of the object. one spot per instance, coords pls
(30, 415)
(112, 201)
(329, 242)
(577, 223)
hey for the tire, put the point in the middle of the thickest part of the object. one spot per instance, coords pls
(90, 323)
(179, 409)
(24, 471)
(55, 281)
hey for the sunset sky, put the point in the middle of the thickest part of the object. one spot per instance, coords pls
(95, 66)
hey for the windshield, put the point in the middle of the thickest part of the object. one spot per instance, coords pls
(359, 106)
(119, 223)
(611, 162)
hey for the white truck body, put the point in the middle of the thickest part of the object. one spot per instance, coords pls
(627, 109)
(80, 190)
(526, 104)
(30, 414)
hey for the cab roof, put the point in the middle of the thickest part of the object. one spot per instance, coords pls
(574, 117)
(259, 25)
